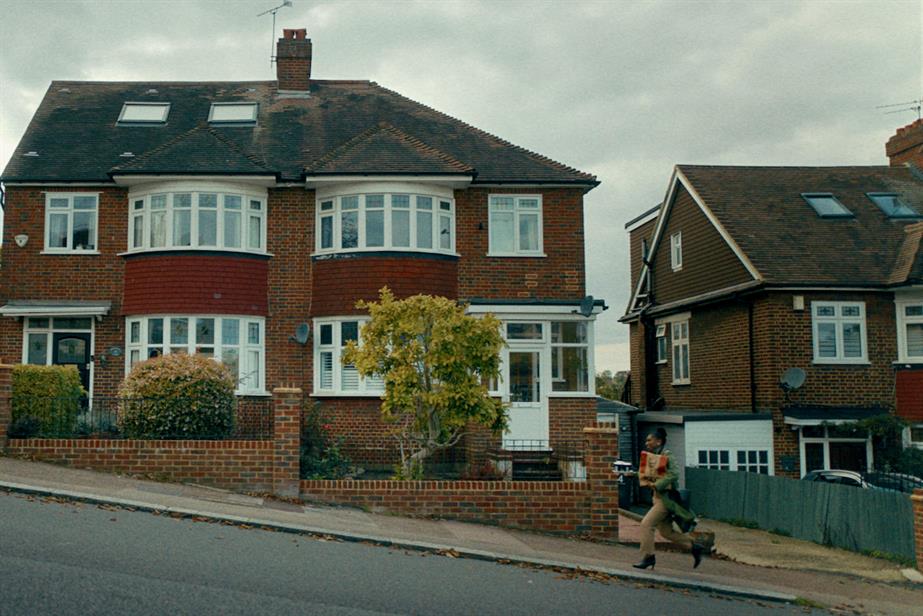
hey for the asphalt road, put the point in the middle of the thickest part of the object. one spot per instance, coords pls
(72, 558)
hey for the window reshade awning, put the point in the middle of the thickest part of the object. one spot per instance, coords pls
(51, 308)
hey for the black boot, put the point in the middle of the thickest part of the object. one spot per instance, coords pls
(648, 561)
(696, 555)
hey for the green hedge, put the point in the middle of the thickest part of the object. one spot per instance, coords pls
(177, 396)
(52, 395)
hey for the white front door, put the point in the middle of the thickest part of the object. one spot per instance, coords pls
(528, 413)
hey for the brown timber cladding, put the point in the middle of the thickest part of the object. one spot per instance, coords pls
(708, 261)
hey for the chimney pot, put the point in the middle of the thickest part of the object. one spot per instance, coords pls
(293, 60)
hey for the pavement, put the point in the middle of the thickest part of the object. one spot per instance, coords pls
(747, 563)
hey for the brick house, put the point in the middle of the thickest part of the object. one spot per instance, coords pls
(743, 273)
(217, 217)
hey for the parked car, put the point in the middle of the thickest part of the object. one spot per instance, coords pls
(876, 480)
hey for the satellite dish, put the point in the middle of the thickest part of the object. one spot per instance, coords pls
(586, 306)
(792, 379)
(301, 334)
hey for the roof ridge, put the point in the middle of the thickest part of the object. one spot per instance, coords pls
(534, 155)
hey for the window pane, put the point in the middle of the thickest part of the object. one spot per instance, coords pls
(256, 204)
(158, 228)
(231, 359)
(400, 201)
(524, 331)
(826, 311)
(573, 373)
(134, 357)
(155, 331)
(73, 323)
(231, 228)
(232, 202)
(424, 203)
(685, 364)
(85, 203)
(915, 339)
(135, 332)
(254, 375)
(38, 349)
(58, 202)
(445, 233)
(349, 330)
(326, 334)
(208, 228)
(326, 232)
(852, 340)
(501, 232)
(568, 332)
(253, 333)
(57, 231)
(400, 229)
(850, 311)
(326, 370)
(501, 204)
(36, 322)
(139, 204)
(84, 237)
(182, 227)
(256, 232)
(182, 200)
(375, 228)
(205, 331)
(208, 200)
(138, 232)
(179, 331)
(424, 229)
(349, 229)
(528, 232)
(230, 331)
(826, 340)
(349, 380)
(914, 311)
(827, 205)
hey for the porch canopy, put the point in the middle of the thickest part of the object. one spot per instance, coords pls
(820, 415)
(55, 308)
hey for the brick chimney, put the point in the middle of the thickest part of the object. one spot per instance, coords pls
(906, 146)
(293, 60)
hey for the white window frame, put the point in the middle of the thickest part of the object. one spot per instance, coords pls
(367, 387)
(248, 195)
(437, 212)
(717, 464)
(661, 341)
(825, 441)
(69, 212)
(254, 107)
(539, 251)
(902, 320)
(677, 343)
(28, 328)
(908, 436)
(245, 349)
(839, 321)
(733, 463)
(676, 251)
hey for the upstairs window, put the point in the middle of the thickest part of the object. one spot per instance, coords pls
(385, 221)
(661, 336)
(232, 113)
(676, 251)
(839, 332)
(144, 113)
(197, 220)
(70, 222)
(910, 331)
(515, 225)
(826, 205)
(892, 206)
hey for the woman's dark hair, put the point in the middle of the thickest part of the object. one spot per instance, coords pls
(660, 434)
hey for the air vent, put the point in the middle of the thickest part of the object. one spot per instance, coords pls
(31, 153)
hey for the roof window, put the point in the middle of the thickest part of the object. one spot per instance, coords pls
(232, 113)
(826, 205)
(892, 206)
(144, 113)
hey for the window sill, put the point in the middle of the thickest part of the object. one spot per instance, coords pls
(253, 394)
(681, 383)
(661, 362)
(70, 252)
(860, 362)
(521, 255)
(206, 249)
(571, 394)
(353, 251)
(352, 394)
(908, 362)
(677, 269)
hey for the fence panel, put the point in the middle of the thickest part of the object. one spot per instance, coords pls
(843, 516)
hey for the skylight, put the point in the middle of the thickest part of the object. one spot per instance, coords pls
(892, 206)
(144, 113)
(826, 205)
(235, 113)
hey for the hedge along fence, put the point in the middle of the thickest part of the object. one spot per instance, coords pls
(51, 395)
(843, 516)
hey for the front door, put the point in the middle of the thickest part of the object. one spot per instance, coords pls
(70, 349)
(528, 413)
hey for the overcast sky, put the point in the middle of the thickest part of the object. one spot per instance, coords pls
(623, 90)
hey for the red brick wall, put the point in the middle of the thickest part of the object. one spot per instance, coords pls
(560, 275)
(195, 284)
(906, 145)
(340, 282)
(567, 417)
(910, 394)
(233, 465)
(917, 500)
(366, 434)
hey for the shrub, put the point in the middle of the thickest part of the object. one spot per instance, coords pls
(52, 395)
(24, 426)
(177, 396)
(322, 456)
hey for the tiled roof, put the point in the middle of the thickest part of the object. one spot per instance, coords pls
(337, 130)
(763, 211)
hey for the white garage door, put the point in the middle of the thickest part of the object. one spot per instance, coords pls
(730, 445)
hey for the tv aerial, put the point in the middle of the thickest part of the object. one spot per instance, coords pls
(914, 105)
(272, 40)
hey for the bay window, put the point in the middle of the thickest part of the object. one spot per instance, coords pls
(197, 219)
(237, 342)
(386, 221)
(515, 223)
(839, 332)
(331, 376)
(71, 222)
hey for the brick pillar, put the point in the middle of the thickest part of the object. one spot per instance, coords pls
(6, 402)
(286, 436)
(917, 500)
(602, 449)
